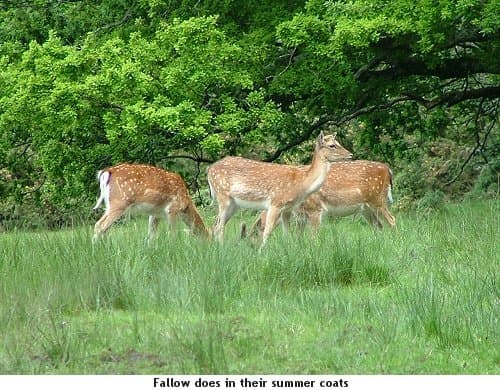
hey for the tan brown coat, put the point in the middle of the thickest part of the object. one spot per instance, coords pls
(238, 182)
(351, 187)
(149, 190)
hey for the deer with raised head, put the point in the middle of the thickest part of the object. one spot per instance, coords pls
(351, 187)
(239, 182)
(149, 190)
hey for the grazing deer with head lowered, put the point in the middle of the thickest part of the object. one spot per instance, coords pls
(147, 190)
(351, 187)
(240, 182)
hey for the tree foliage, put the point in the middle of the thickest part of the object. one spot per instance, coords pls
(183, 83)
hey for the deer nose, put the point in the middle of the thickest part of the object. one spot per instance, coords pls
(349, 156)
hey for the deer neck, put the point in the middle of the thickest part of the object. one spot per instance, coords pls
(316, 174)
(196, 221)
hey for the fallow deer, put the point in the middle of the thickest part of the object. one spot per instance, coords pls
(351, 187)
(149, 190)
(240, 182)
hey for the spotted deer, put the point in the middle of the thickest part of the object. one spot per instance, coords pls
(149, 190)
(351, 187)
(239, 182)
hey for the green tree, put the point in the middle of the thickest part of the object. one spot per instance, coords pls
(183, 83)
(402, 75)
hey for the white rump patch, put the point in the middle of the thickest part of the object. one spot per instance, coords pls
(103, 177)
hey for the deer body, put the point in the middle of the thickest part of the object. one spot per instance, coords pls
(239, 182)
(145, 189)
(351, 187)
(356, 187)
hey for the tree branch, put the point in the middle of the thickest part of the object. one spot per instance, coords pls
(188, 157)
(451, 98)
(478, 145)
(297, 141)
(125, 17)
(451, 68)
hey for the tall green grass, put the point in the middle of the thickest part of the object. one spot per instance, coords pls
(422, 298)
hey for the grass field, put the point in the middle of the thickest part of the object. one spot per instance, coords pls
(421, 299)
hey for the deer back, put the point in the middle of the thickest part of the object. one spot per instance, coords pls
(138, 183)
(250, 179)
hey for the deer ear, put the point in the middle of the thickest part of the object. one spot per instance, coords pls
(320, 139)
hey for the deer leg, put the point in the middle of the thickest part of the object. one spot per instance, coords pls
(152, 227)
(315, 220)
(372, 218)
(256, 229)
(285, 221)
(391, 220)
(188, 221)
(227, 209)
(260, 223)
(272, 217)
(109, 217)
(172, 215)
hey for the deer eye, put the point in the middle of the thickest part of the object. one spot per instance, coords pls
(332, 146)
